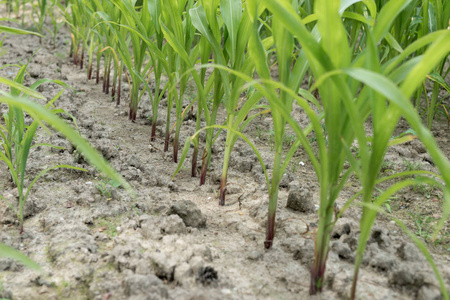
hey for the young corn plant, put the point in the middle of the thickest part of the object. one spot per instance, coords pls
(39, 13)
(80, 21)
(202, 53)
(199, 79)
(179, 24)
(347, 104)
(43, 114)
(436, 16)
(155, 9)
(140, 30)
(17, 165)
(238, 29)
(17, 139)
(210, 35)
(56, 25)
(103, 37)
(290, 76)
(72, 16)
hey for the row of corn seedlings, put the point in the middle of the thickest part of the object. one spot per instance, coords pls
(17, 139)
(347, 104)
(367, 59)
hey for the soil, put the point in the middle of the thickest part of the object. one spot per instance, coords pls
(173, 241)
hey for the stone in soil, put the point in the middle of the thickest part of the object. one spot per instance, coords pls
(146, 287)
(172, 224)
(300, 200)
(189, 212)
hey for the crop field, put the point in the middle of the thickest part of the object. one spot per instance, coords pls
(224, 149)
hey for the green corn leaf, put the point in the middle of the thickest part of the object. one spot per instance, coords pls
(27, 91)
(11, 30)
(8, 252)
(438, 78)
(184, 153)
(96, 159)
(232, 13)
(48, 145)
(387, 16)
(393, 42)
(45, 80)
(198, 17)
(155, 9)
(25, 146)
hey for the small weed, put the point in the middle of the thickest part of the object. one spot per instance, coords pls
(61, 287)
(296, 164)
(288, 139)
(424, 189)
(387, 166)
(60, 55)
(105, 187)
(411, 166)
(109, 226)
(387, 204)
(424, 225)
(259, 132)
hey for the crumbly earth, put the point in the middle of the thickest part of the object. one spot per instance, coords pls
(173, 241)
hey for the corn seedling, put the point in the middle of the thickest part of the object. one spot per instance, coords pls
(102, 37)
(140, 31)
(56, 25)
(189, 61)
(179, 24)
(155, 9)
(17, 136)
(39, 14)
(237, 26)
(17, 139)
(79, 22)
(346, 108)
(43, 114)
(205, 13)
(13, 6)
(290, 77)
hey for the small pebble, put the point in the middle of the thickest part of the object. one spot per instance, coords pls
(254, 255)
(226, 291)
